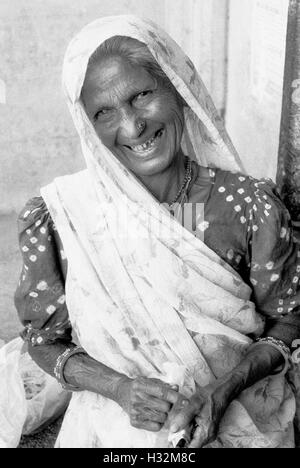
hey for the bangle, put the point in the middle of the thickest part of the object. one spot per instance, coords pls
(60, 364)
(281, 347)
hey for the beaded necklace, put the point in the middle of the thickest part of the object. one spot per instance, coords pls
(186, 181)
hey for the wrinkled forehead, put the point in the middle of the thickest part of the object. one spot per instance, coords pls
(94, 34)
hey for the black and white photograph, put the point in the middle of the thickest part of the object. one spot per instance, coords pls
(150, 226)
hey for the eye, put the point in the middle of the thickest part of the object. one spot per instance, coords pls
(102, 114)
(143, 94)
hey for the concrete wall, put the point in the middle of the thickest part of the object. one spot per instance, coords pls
(257, 33)
(200, 27)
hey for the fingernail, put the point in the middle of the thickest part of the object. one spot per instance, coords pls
(174, 387)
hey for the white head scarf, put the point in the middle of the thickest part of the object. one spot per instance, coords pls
(205, 138)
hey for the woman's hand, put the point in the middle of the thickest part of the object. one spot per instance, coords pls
(207, 406)
(147, 401)
(203, 410)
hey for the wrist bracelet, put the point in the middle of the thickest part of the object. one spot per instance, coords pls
(60, 364)
(281, 347)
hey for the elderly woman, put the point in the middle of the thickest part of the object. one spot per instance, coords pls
(160, 284)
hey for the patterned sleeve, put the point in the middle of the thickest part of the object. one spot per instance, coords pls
(274, 260)
(40, 298)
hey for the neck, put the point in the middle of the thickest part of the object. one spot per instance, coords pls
(164, 185)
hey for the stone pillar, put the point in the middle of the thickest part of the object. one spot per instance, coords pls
(288, 174)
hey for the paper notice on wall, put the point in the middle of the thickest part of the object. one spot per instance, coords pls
(268, 38)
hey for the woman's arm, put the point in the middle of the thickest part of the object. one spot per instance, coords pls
(208, 405)
(146, 401)
(80, 370)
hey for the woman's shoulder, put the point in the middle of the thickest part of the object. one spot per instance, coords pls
(229, 179)
(253, 202)
(34, 214)
(246, 188)
(230, 187)
(240, 178)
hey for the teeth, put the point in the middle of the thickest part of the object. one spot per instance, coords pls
(148, 144)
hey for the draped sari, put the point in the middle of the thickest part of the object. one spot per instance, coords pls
(144, 295)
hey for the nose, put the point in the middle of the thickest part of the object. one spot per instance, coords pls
(131, 124)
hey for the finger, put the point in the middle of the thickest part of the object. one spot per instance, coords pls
(155, 416)
(156, 404)
(200, 436)
(144, 401)
(162, 391)
(149, 386)
(182, 415)
(147, 425)
(143, 413)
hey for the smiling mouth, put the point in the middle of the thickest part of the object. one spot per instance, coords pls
(149, 144)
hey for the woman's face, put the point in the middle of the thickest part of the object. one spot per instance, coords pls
(117, 98)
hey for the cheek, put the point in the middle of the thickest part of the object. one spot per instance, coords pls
(107, 135)
(166, 110)
(175, 119)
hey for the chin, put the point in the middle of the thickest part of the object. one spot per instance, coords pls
(144, 166)
(151, 167)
